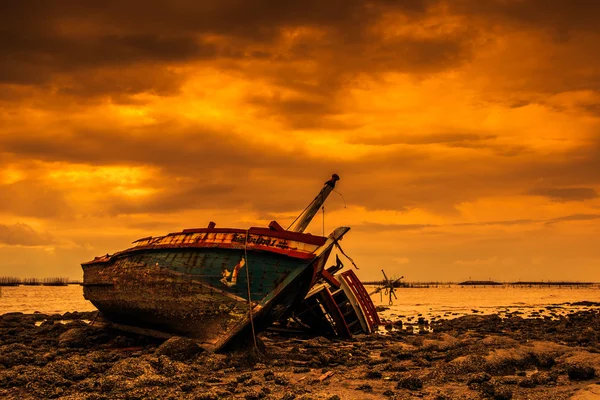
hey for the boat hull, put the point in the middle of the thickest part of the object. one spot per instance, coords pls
(202, 292)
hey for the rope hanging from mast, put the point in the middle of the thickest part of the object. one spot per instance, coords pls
(248, 286)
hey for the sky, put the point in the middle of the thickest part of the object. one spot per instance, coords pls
(466, 133)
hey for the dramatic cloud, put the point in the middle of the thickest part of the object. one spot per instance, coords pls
(466, 133)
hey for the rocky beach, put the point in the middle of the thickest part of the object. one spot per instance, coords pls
(470, 357)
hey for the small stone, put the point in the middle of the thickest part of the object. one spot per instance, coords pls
(207, 396)
(179, 348)
(579, 372)
(527, 383)
(502, 393)
(479, 377)
(252, 395)
(269, 375)
(281, 380)
(73, 338)
(410, 382)
(374, 375)
(244, 377)
(365, 387)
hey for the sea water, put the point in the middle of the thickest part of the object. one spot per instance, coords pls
(449, 301)
(45, 299)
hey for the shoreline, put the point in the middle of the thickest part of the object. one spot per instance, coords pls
(469, 357)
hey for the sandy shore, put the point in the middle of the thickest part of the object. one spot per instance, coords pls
(470, 357)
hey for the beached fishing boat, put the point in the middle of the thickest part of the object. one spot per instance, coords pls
(220, 286)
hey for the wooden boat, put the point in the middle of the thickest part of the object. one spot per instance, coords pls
(220, 286)
(338, 305)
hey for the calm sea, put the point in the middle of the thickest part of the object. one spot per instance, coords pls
(45, 299)
(453, 301)
(411, 303)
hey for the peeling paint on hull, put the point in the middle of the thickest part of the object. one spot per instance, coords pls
(189, 291)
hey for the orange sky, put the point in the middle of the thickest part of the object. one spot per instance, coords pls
(466, 132)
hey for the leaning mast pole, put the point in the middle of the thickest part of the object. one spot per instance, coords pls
(304, 219)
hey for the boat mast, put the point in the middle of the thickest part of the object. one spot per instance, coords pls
(302, 221)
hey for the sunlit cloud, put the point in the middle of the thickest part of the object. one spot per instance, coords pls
(466, 133)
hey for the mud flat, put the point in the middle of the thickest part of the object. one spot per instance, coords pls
(471, 357)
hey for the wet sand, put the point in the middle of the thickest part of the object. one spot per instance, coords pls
(470, 357)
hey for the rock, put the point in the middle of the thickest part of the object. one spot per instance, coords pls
(179, 348)
(69, 315)
(528, 383)
(479, 377)
(167, 367)
(74, 368)
(74, 338)
(404, 355)
(373, 375)
(545, 378)
(252, 395)
(365, 387)
(207, 396)
(12, 317)
(269, 375)
(265, 390)
(410, 382)
(131, 368)
(151, 379)
(502, 393)
(578, 372)
(281, 380)
(487, 388)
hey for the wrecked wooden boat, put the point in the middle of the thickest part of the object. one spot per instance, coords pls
(338, 305)
(220, 286)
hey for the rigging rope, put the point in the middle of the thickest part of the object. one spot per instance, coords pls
(342, 197)
(323, 208)
(337, 244)
(248, 286)
(301, 214)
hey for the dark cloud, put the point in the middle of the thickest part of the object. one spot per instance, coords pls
(71, 38)
(457, 139)
(559, 17)
(23, 235)
(574, 217)
(565, 194)
(79, 47)
(371, 227)
(376, 227)
(298, 113)
(499, 223)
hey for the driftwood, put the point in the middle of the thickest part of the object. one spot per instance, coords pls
(326, 375)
